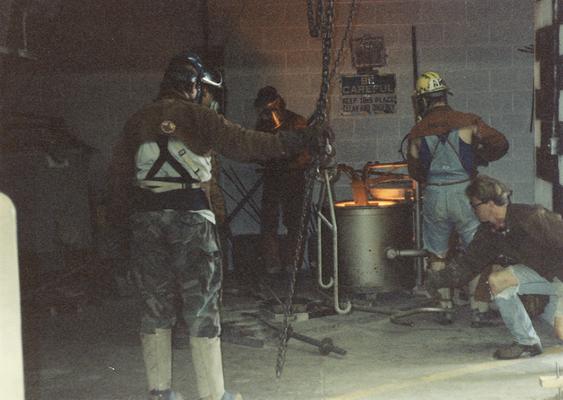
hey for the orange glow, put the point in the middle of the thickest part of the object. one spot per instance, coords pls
(388, 193)
(372, 203)
(276, 119)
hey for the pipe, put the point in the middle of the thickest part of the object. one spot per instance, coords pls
(392, 253)
(418, 234)
(402, 314)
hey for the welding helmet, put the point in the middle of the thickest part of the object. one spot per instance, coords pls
(186, 71)
(270, 107)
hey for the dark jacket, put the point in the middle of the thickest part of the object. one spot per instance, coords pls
(533, 237)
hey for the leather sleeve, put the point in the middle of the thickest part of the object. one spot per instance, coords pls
(203, 130)
(491, 144)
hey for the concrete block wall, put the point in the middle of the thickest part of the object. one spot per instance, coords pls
(473, 43)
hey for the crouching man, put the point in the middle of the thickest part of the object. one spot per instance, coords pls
(531, 238)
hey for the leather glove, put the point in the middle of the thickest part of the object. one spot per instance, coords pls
(317, 140)
(454, 275)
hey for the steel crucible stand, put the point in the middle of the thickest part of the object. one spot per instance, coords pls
(330, 222)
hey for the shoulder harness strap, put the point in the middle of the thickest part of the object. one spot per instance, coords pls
(166, 157)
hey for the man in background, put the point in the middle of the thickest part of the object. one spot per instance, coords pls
(283, 183)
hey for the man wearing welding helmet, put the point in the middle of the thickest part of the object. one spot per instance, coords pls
(160, 173)
(283, 181)
(445, 149)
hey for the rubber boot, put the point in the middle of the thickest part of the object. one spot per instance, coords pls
(157, 354)
(208, 366)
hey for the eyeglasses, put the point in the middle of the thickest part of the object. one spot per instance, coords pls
(476, 205)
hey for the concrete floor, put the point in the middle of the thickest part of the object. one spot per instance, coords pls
(92, 352)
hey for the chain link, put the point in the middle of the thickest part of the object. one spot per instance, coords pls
(314, 19)
(319, 116)
(285, 332)
(320, 113)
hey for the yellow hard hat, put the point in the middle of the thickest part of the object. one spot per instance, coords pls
(430, 82)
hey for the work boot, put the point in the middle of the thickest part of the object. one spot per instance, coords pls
(517, 350)
(484, 319)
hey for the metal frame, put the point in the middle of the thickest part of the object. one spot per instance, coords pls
(418, 253)
(333, 282)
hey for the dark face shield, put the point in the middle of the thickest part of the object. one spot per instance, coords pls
(212, 78)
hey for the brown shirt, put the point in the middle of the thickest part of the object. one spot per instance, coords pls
(533, 237)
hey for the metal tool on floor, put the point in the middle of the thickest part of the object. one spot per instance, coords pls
(553, 381)
(325, 346)
(236, 335)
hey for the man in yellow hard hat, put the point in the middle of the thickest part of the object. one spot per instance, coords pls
(445, 149)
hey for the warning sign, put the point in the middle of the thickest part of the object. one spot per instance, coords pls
(368, 94)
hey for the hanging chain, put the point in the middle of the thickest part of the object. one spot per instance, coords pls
(314, 19)
(320, 113)
(318, 117)
(288, 306)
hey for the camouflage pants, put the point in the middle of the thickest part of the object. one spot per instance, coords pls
(171, 250)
